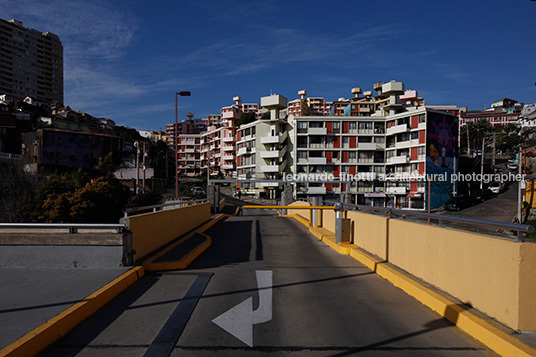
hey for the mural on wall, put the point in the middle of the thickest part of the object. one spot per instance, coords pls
(441, 153)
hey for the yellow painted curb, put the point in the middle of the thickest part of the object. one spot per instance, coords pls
(496, 339)
(189, 258)
(184, 262)
(43, 336)
(493, 337)
(300, 219)
(339, 248)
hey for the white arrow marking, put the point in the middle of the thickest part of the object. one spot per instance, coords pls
(239, 320)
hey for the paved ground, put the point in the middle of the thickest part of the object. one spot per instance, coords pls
(501, 208)
(30, 297)
(323, 304)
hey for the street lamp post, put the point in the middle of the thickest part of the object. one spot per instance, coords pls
(183, 94)
(519, 194)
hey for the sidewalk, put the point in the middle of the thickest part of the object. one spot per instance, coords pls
(30, 297)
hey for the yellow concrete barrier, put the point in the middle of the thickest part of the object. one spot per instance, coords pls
(150, 231)
(495, 338)
(150, 264)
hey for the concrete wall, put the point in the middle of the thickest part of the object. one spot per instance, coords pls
(151, 231)
(60, 256)
(370, 232)
(304, 213)
(45, 249)
(328, 219)
(496, 276)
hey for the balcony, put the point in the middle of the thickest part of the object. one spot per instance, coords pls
(228, 157)
(268, 184)
(245, 151)
(366, 146)
(274, 168)
(396, 190)
(227, 166)
(316, 190)
(234, 113)
(404, 159)
(402, 128)
(274, 154)
(317, 160)
(228, 139)
(275, 139)
(317, 131)
(227, 148)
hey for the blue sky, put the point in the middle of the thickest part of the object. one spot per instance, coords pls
(124, 59)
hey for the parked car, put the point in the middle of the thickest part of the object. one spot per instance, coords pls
(496, 187)
(482, 195)
(197, 190)
(459, 202)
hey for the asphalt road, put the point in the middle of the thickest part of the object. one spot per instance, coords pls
(502, 207)
(321, 303)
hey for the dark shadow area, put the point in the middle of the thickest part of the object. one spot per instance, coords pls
(258, 237)
(181, 250)
(231, 244)
(36, 307)
(254, 290)
(87, 331)
(384, 345)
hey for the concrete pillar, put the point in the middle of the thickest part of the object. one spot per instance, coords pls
(286, 196)
(213, 196)
(315, 219)
(346, 197)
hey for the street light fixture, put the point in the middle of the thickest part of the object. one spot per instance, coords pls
(182, 94)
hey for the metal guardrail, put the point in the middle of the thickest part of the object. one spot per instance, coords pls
(155, 208)
(7, 156)
(393, 212)
(72, 227)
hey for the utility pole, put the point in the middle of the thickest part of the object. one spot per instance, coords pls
(482, 156)
(519, 218)
(136, 144)
(494, 152)
(468, 141)
(143, 164)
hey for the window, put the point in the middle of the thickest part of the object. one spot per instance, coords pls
(336, 127)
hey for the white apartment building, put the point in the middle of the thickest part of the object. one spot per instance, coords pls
(383, 158)
(262, 149)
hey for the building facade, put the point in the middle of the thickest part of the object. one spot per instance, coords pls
(31, 63)
(262, 148)
(386, 153)
(51, 148)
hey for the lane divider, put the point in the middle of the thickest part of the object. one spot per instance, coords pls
(495, 338)
(60, 325)
(150, 264)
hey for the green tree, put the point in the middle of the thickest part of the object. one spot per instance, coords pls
(77, 197)
(246, 118)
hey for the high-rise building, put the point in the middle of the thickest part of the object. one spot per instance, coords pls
(380, 150)
(31, 63)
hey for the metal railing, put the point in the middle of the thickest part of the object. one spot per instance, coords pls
(158, 207)
(7, 156)
(393, 212)
(71, 227)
